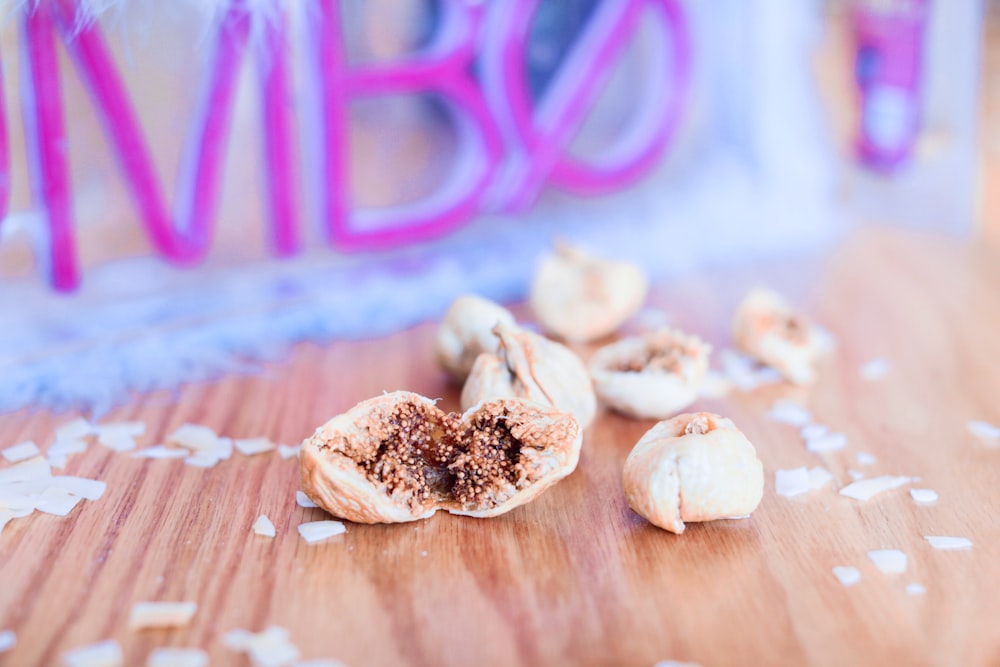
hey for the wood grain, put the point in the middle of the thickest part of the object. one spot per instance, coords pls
(575, 577)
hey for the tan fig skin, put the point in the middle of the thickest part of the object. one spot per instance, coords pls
(581, 298)
(766, 328)
(332, 477)
(466, 332)
(533, 367)
(653, 376)
(694, 467)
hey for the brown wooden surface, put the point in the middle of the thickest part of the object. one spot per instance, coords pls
(575, 577)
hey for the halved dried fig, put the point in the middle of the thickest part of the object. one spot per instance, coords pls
(766, 328)
(694, 467)
(467, 331)
(398, 457)
(580, 297)
(652, 376)
(533, 367)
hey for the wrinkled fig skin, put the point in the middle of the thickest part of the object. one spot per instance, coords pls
(333, 478)
(466, 332)
(533, 367)
(581, 298)
(694, 467)
(653, 376)
(767, 329)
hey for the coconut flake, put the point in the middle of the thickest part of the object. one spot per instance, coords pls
(91, 489)
(161, 614)
(160, 452)
(847, 575)
(787, 411)
(866, 459)
(59, 451)
(818, 478)
(855, 475)
(812, 431)
(270, 648)
(791, 482)
(745, 373)
(34, 468)
(288, 451)
(75, 430)
(828, 442)
(923, 496)
(317, 531)
(302, 500)
(120, 436)
(8, 640)
(889, 561)
(915, 589)
(874, 370)
(948, 543)
(252, 446)
(985, 430)
(102, 654)
(675, 663)
(59, 502)
(263, 526)
(202, 460)
(866, 489)
(193, 436)
(322, 662)
(21, 452)
(177, 657)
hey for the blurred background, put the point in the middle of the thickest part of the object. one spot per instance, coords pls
(345, 169)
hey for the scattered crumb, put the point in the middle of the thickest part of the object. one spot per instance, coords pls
(787, 411)
(828, 442)
(160, 452)
(984, 430)
(923, 496)
(423, 553)
(866, 459)
(746, 374)
(177, 657)
(161, 614)
(874, 370)
(102, 654)
(818, 478)
(813, 431)
(288, 451)
(915, 589)
(866, 489)
(270, 648)
(855, 475)
(889, 561)
(249, 447)
(302, 500)
(8, 640)
(263, 526)
(948, 543)
(21, 452)
(792, 482)
(317, 531)
(75, 430)
(847, 575)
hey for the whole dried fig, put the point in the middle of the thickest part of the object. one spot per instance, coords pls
(467, 331)
(767, 329)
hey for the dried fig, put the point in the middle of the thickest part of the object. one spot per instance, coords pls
(767, 329)
(467, 331)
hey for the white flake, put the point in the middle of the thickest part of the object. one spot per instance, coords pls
(21, 452)
(866, 459)
(866, 489)
(889, 561)
(26, 470)
(855, 475)
(160, 452)
(792, 482)
(302, 500)
(812, 431)
(270, 648)
(874, 370)
(193, 436)
(102, 654)
(827, 442)
(288, 451)
(177, 657)
(120, 436)
(75, 430)
(789, 412)
(8, 640)
(847, 575)
(923, 496)
(915, 589)
(161, 614)
(316, 531)
(818, 478)
(59, 502)
(263, 526)
(251, 446)
(948, 543)
(985, 430)
(322, 662)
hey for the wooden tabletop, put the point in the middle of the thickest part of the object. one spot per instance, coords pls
(574, 577)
